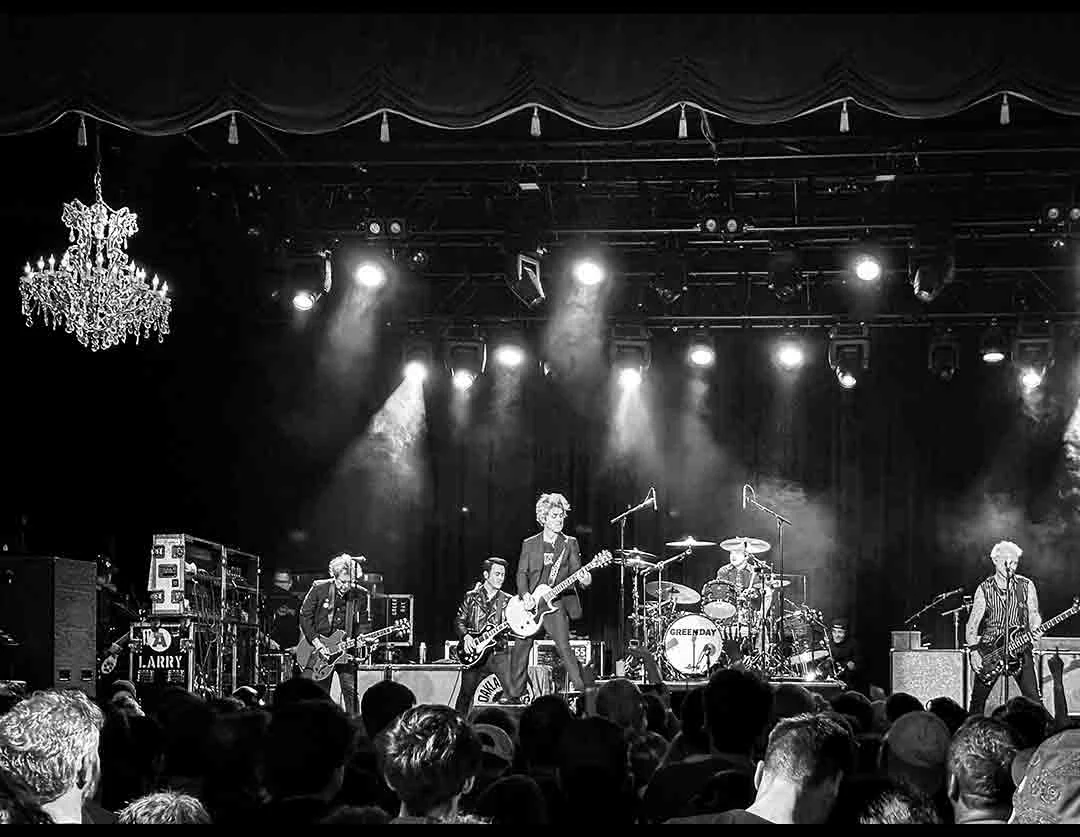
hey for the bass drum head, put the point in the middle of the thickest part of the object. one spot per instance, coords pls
(692, 644)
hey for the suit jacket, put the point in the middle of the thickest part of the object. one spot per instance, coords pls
(531, 571)
(317, 611)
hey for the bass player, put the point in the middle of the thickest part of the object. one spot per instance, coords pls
(1003, 600)
(548, 557)
(482, 608)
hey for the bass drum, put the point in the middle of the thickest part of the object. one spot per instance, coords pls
(692, 645)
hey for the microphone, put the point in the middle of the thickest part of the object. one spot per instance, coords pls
(652, 496)
(951, 593)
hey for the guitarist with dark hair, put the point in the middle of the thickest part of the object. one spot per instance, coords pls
(1003, 602)
(481, 611)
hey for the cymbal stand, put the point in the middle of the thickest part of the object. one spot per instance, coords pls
(955, 614)
(621, 520)
(781, 522)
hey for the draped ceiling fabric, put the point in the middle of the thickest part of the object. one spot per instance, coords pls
(165, 74)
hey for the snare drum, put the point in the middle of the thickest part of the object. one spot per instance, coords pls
(692, 644)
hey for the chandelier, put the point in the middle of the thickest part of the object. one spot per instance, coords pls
(96, 292)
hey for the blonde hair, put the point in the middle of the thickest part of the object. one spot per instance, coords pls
(340, 562)
(547, 502)
(1003, 549)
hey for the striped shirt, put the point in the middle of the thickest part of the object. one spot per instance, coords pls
(988, 612)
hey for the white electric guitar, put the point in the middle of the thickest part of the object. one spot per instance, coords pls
(525, 621)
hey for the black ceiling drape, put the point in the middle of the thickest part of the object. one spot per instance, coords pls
(164, 74)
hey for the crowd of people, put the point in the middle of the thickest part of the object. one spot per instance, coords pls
(734, 750)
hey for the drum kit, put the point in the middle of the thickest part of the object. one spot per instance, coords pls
(731, 622)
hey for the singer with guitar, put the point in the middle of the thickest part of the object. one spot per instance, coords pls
(1004, 601)
(481, 612)
(337, 603)
(548, 558)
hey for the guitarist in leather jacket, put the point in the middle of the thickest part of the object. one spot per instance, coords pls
(337, 603)
(988, 618)
(547, 558)
(483, 607)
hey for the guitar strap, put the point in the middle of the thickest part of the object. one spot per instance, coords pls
(558, 563)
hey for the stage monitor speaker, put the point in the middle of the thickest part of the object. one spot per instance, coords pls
(1070, 676)
(928, 674)
(430, 683)
(49, 607)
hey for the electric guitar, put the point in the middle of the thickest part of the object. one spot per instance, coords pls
(485, 642)
(525, 621)
(321, 661)
(993, 653)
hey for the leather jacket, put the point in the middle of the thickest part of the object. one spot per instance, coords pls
(476, 612)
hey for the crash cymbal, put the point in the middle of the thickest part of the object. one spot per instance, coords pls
(689, 542)
(740, 544)
(635, 564)
(634, 552)
(672, 592)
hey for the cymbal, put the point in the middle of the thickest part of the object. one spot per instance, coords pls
(636, 564)
(689, 542)
(370, 578)
(740, 544)
(634, 552)
(672, 592)
(777, 582)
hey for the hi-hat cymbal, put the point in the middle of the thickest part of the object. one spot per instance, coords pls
(777, 582)
(689, 542)
(634, 552)
(672, 592)
(751, 545)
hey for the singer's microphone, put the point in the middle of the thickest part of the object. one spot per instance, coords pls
(744, 498)
(652, 496)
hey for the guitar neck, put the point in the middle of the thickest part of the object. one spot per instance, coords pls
(379, 634)
(566, 582)
(1023, 639)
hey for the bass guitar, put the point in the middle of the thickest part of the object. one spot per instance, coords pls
(994, 652)
(525, 621)
(321, 661)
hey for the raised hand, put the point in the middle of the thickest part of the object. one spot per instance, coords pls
(1056, 666)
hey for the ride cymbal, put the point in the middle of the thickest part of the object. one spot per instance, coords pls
(689, 542)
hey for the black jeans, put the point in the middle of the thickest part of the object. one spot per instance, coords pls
(1029, 686)
(497, 664)
(347, 677)
(557, 625)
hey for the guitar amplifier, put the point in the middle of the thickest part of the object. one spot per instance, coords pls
(929, 674)
(386, 610)
(587, 652)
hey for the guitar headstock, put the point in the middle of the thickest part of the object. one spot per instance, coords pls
(602, 559)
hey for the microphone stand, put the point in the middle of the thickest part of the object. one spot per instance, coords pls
(1008, 628)
(781, 521)
(621, 520)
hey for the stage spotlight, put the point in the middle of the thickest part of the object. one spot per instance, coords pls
(1031, 378)
(789, 353)
(933, 260)
(524, 280)
(993, 347)
(419, 259)
(1053, 213)
(509, 355)
(374, 227)
(785, 275)
(630, 353)
(729, 225)
(370, 275)
(867, 267)
(1074, 214)
(466, 358)
(417, 358)
(943, 356)
(303, 300)
(701, 351)
(395, 227)
(849, 353)
(588, 272)
(1033, 353)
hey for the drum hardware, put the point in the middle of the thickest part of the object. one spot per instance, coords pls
(649, 501)
(671, 591)
(689, 542)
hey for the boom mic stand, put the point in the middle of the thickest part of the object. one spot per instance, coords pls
(621, 520)
(750, 496)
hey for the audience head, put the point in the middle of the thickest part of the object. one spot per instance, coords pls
(692, 721)
(356, 815)
(50, 741)
(594, 768)
(657, 715)
(1028, 719)
(731, 693)
(880, 800)
(513, 800)
(497, 718)
(810, 754)
(497, 746)
(725, 791)
(164, 808)
(951, 712)
(899, 704)
(856, 706)
(382, 703)
(791, 699)
(915, 750)
(1050, 790)
(18, 803)
(980, 766)
(540, 729)
(620, 701)
(297, 689)
(430, 757)
(307, 744)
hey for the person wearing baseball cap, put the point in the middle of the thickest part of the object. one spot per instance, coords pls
(847, 663)
(1005, 601)
(1049, 792)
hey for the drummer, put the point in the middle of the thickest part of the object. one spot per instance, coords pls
(741, 574)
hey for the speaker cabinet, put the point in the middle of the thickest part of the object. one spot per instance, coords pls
(928, 674)
(1070, 677)
(49, 607)
(433, 683)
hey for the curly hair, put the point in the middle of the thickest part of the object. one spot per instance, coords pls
(50, 741)
(164, 808)
(428, 756)
(340, 562)
(980, 757)
(547, 502)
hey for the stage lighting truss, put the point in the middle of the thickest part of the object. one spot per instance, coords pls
(385, 228)
(943, 355)
(994, 345)
(630, 351)
(727, 225)
(1033, 352)
(417, 357)
(466, 358)
(785, 275)
(701, 350)
(849, 353)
